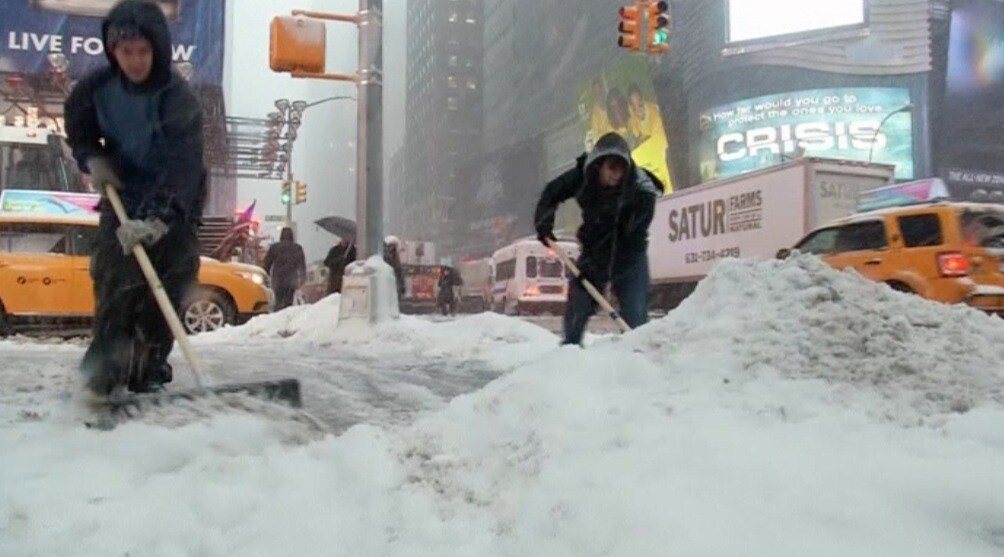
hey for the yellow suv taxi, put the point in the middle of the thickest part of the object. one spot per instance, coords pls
(945, 251)
(46, 239)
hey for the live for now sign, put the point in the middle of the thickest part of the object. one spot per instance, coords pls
(31, 30)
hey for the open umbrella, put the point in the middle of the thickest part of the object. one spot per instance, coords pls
(339, 226)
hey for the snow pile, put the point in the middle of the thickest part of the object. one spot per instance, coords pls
(804, 320)
(503, 341)
(686, 437)
(317, 319)
(603, 452)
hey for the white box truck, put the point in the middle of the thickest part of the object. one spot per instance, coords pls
(751, 216)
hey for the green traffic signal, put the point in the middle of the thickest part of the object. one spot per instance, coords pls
(660, 37)
(287, 193)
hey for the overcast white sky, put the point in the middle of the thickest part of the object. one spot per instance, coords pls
(324, 152)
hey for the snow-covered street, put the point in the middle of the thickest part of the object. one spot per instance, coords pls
(785, 409)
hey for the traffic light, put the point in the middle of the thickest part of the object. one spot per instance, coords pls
(301, 193)
(287, 194)
(630, 27)
(658, 27)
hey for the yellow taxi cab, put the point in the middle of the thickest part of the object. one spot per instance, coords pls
(951, 252)
(46, 239)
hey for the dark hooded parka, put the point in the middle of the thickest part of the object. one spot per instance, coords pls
(151, 134)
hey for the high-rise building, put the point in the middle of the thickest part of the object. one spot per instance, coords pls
(395, 192)
(443, 116)
(537, 56)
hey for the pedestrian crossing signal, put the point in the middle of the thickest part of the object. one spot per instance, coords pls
(301, 193)
(296, 44)
(287, 194)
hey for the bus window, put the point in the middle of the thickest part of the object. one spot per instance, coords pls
(505, 270)
(551, 269)
(28, 167)
(37, 166)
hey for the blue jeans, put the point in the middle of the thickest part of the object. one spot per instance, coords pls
(630, 285)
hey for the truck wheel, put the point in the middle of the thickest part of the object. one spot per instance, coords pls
(207, 311)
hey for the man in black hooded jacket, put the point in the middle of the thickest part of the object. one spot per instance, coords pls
(287, 266)
(617, 199)
(136, 126)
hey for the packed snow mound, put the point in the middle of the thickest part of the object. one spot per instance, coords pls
(506, 341)
(58, 344)
(314, 320)
(468, 336)
(804, 319)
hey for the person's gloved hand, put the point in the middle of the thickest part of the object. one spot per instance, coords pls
(545, 235)
(135, 231)
(103, 174)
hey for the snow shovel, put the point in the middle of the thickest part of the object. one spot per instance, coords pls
(589, 286)
(282, 390)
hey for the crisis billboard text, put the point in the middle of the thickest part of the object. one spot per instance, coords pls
(622, 99)
(856, 123)
(32, 30)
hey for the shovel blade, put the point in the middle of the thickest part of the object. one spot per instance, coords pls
(282, 391)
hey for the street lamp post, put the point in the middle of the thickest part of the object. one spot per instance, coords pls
(905, 108)
(290, 114)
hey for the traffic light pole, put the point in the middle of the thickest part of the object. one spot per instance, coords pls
(289, 180)
(369, 128)
(369, 152)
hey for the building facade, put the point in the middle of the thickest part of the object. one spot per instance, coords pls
(892, 87)
(444, 116)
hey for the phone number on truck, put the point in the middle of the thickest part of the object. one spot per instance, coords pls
(711, 255)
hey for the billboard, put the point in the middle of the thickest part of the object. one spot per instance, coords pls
(30, 30)
(748, 20)
(855, 123)
(976, 48)
(973, 147)
(622, 99)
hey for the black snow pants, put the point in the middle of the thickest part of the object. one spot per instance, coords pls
(131, 340)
